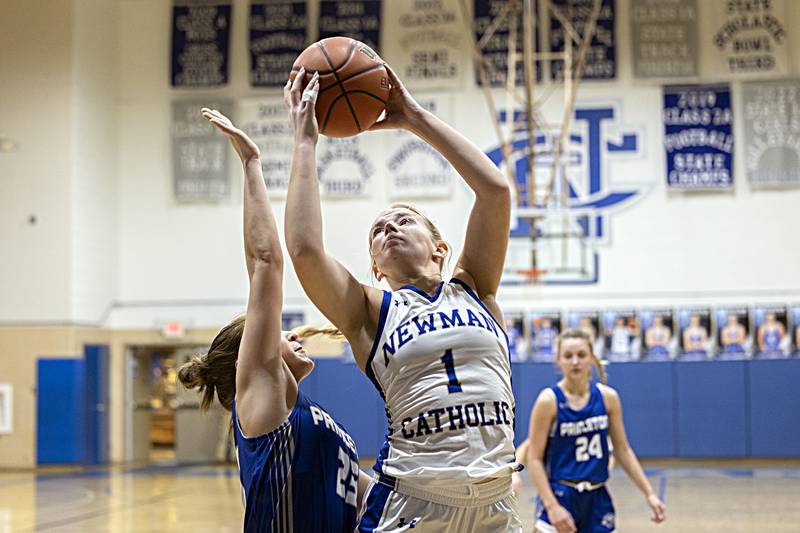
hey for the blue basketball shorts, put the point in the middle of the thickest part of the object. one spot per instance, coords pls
(591, 510)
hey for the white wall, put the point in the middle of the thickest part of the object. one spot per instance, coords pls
(91, 114)
(95, 160)
(37, 114)
(185, 261)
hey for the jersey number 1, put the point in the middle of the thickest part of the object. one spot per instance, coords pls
(585, 448)
(453, 385)
(347, 480)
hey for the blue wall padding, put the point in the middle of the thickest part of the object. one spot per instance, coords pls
(61, 413)
(711, 405)
(775, 408)
(671, 409)
(648, 400)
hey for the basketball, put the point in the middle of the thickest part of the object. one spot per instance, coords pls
(353, 84)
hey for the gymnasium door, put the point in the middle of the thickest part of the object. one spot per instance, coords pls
(199, 437)
(97, 399)
(140, 391)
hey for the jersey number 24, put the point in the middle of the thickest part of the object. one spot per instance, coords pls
(585, 448)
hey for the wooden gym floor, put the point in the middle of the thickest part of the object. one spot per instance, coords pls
(730, 497)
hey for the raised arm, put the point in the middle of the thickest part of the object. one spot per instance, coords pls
(482, 259)
(625, 456)
(349, 305)
(261, 384)
(542, 416)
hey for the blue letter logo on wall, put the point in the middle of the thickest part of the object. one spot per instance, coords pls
(592, 194)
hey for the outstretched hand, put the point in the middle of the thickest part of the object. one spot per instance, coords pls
(244, 145)
(402, 110)
(301, 104)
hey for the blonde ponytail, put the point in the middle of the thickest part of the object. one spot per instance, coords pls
(329, 330)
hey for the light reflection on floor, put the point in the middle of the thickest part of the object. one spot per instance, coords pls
(707, 497)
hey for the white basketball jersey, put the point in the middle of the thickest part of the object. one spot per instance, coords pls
(441, 363)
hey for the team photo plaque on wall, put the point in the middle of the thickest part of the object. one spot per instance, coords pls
(200, 43)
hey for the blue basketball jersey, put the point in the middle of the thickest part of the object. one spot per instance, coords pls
(577, 449)
(546, 339)
(303, 476)
(772, 339)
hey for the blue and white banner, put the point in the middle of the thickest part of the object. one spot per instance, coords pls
(601, 57)
(426, 44)
(698, 136)
(278, 34)
(264, 120)
(200, 42)
(347, 165)
(494, 47)
(199, 153)
(750, 40)
(415, 169)
(772, 133)
(358, 19)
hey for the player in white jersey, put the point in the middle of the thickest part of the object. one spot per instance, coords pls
(435, 349)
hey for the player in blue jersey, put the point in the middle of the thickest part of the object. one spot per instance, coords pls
(732, 335)
(657, 337)
(435, 350)
(695, 337)
(568, 452)
(770, 335)
(298, 467)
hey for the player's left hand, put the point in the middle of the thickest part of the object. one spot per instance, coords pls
(402, 110)
(658, 508)
(243, 144)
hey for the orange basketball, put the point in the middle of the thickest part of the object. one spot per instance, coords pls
(353, 84)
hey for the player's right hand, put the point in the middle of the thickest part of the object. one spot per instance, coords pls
(300, 104)
(561, 520)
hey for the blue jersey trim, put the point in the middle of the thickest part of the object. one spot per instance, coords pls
(430, 297)
(474, 296)
(385, 303)
(375, 504)
(387, 300)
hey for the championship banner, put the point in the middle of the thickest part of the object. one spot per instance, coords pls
(265, 121)
(601, 57)
(347, 165)
(750, 38)
(698, 136)
(199, 153)
(358, 19)
(494, 49)
(772, 133)
(200, 42)
(278, 34)
(414, 168)
(664, 38)
(430, 47)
